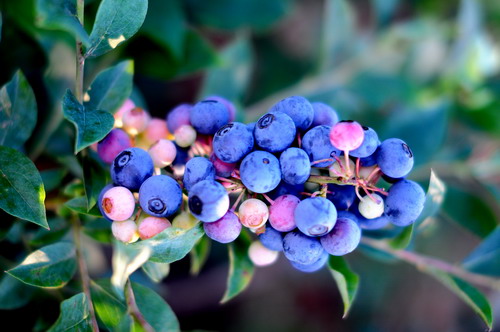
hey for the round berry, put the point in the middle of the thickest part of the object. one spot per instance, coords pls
(118, 203)
(343, 238)
(369, 145)
(260, 255)
(313, 267)
(315, 216)
(198, 169)
(131, 168)
(208, 200)
(301, 248)
(160, 196)
(371, 208)
(341, 196)
(405, 202)
(125, 231)
(274, 132)
(135, 121)
(185, 136)
(295, 166)
(162, 153)
(178, 117)
(271, 239)
(115, 142)
(347, 135)
(184, 220)
(99, 200)
(229, 105)
(253, 213)
(324, 115)
(151, 226)
(394, 157)
(260, 172)
(224, 230)
(316, 143)
(156, 130)
(282, 213)
(127, 106)
(221, 168)
(208, 116)
(232, 142)
(298, 108)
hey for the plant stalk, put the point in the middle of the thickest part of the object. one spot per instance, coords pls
(134, 310)
(80, 59)
(424, 262)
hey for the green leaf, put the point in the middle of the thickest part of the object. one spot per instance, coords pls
(470, 211)
(91, 125)
(116, 21)
(485, 258)
(61, 15)
(241, 268)
(166, 25)
(23, 194)
(52, 178)
(13, 293)
(18, 112)
(99, 229)
(79, 205)
(347, 281)
(74, 316)
(126, 259)
(155, 310)
(58, 228)
(467, 293)
(172, 244)
(199, 255)
(198, 54)
(156, 271)
(129, 324)
(51, 266)
(111, 87)
(403, 239)
(108, 307)
(95, 177)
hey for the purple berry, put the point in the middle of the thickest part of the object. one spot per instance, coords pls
(224, 230)
(115, 142)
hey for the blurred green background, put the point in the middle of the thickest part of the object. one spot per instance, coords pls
(425, 71)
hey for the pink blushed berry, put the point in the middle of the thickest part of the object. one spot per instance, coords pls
(281, 213)
(260, 255)
(125, 231)
(127, 106)
(347, 135)
(115, 142)
(151, 226)
(185, 136)
(156, 130)
(163, 153)
(253, 213)
(118, 203)
(135, 121)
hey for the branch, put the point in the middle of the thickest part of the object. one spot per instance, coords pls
(134, 310)
(424, 262)
(80, 59)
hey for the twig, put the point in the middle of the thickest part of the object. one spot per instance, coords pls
(134, 310)
(424, 262)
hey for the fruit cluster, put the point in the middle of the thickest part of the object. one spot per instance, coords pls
(304, 182)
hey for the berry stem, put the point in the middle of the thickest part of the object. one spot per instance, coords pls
(347, 163)
(322, 160)
(268, 199)
(240, 196)
(134, 310)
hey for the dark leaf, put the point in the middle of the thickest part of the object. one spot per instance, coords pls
(52, 178)
(199, 255)
(108, 307)
(79, 205)
(13, 293)
(74, 316)
(485, 258)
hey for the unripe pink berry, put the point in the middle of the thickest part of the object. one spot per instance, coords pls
(127, 106)
(221, 168)
(118, 203)
(163, 153)
(156, 130)
(125, 231)
(115, 142)
(150, 226)
(185, 220)
(253, 213)
(185, 136)
(135, 121)
(281, 213)
(260, 255)
(347, 135)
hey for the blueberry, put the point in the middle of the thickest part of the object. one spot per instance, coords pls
(271, 239)
(394, 157)
(274, 132)
(343, 238)
(287, 189)
(371, 160)
(316, 143)
(251, 126)
(295, 166)
(315, 216)
(313, 267)
(405, 202)
(178, 116)
(341, 196)
(208, 116)
(160, 196)
(232, 142)
(208, 200)
(224, 230)
(229, 105)
(198, 169)
(260, 172)
(298, 108)
(372, 224)
(115, 142)
(301, 248)
(221, 168)
(369, 145)
(324, 115)
(131, 168)
(181, 156)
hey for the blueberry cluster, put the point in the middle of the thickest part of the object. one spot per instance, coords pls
(304, 182)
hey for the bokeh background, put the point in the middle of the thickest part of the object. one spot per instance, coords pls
(425, 71)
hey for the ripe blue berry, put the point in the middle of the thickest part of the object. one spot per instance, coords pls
(369, 145)
(394, 157)
(324, 115)
(229, 105)
(160, 196)
(274, 132)
(260, 172)
(316, 143)
(232, 142)
(271, 239)
(295, 166)
(208, 200)
(287, 189)
(177, 117)
(198, 169)
(208, 116)
(224, 230)
(131, 168)
(341, 196)
(315, 216)
(301, 248)
(298, 108)
(343, 238)
(313, 267)
(405, 202)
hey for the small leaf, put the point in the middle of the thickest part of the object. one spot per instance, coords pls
(58, 228)
(347, 281)
(126, 259)
(108, 307)
(467, 293)
(172, 244)
(51, 266)
(74, 316)
(22, 192)
(403, 239)
(116, 21)
(241, 268)
(485, 258)
(79, 205)
(156, 271)
(13, 293)
(61, 15)
(95, 178)
(155, 310)
(99, 229)
(91, 125)
(52, 178)
(111, 87)
(18, 112)
(199, 255)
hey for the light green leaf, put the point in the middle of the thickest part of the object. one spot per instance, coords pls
(22, 192)
(156, 271)
(111, 87)
(91, 125)
(403, 239)
(79, 205)
(116, 21)
(51, 266)
(18, 112)
(241, 268)
(13, 293)
(74, 316)
(126, 260)
(172, 244)
(467, 293)
(347, 281)
(155, 310)
(108, 307)
(61, 15)
(199, 255)
(485, 258)
(95, 177)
